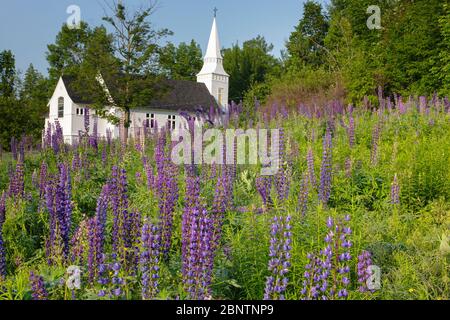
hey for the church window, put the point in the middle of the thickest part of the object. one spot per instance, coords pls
(61, 107)
(220, 96)
(150, 120)
(171, 122)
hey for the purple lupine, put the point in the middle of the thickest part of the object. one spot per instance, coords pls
(200, 256)
(78, 244)
(348, 167)
(2, 244)
(38, 291)
(395, 191)
(2, 255)
(86, 121)
(375, 142)
(42, 179)
(326, 169)
(17, 184)
(264, 186)
(221, 203)
(336, 257)
(192, 196)
(310, 163)
(115, 200)
(280, 257)
(104, 155)
(93, 140)
(351, 131)
(57, 138)
(316, 275)
(48, 136)
(422, 104)
(110, 275)
(96, 235)
(2, 208)
(149, 262)
(92, 252)
(167, 193)
(58, 196)
(364, 273)
(149, 174)
(281, 178)
(303, 195)
(64, 205)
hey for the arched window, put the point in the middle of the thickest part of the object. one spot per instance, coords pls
(61, 107)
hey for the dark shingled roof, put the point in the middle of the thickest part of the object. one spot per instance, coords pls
(178, 95)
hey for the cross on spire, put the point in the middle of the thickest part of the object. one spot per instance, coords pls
(215, 12)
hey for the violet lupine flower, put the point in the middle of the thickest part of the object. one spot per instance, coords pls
(310, 163)
(422, 104)
(110, 276)
(316, 274)
(280, 257)
(150, 176)
(96, 235)
(364, 273)
(17, 183)
(93, 244)
(348, 167)
(104, 155)
(57, 138)
(149, 263)
(64, 205)
(93, 142)
(336, 257)
(38, 291)
(42, 179)
(48, 136)
(375, 141)
(221, 203)
(303, 195)
(395, 191)
(192, 202)
(115, 200)
(2, 209)
(86, 121)
(264, 186)
(2, 244)
(351, 130)
(281, 178)
(326, 169)
(58, 196)
(77, 244)
(200, 256)
(2, 255)
(167, 193)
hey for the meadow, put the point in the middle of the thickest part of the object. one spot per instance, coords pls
(359, 186)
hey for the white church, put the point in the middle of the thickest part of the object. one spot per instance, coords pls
(211, 90)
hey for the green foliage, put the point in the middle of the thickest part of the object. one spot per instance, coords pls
(248, 66)
(182, 62)
(305, 45)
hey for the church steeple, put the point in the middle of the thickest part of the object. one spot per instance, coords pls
(213, 74)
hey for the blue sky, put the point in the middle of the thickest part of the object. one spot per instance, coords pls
(27, 26)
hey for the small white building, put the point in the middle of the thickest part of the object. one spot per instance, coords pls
(210, 90)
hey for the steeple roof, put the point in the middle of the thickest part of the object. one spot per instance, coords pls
(213, 61)
(213, 50)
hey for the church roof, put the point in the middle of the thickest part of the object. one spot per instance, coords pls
(178, 95)
(213, 61)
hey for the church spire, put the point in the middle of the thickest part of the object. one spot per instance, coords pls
(213, 74)
(213, 60)
(213, 50)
